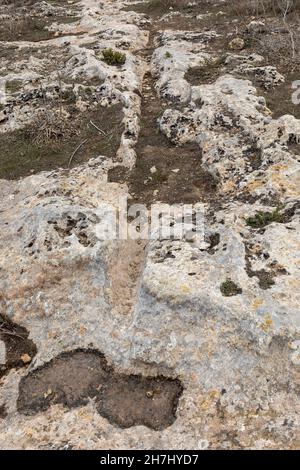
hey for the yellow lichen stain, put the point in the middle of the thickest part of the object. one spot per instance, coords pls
(185, 289)
(214, 394)
(53, 334)
(26, 359)
(31, 433)
(212, 397)
(286, 182)
(280, 167)
(84, 414)
(268, 323)
(252, 185)
(228, 186)
(82, 330)
(257, 303)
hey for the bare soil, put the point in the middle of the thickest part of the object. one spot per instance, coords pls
(20, 350)
(73, 378)
(178, 176)
(20, 155)
(134, 400)
(31, 28)
(279, 99)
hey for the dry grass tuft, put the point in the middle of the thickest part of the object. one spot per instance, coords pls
(50, 126)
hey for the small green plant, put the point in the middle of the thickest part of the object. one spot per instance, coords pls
(229, 288)
(261, 219)
(168, 55)
(112, 57)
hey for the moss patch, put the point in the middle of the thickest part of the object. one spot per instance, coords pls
(229, 288)
(261, 219)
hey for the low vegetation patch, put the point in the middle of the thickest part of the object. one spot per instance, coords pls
(112, 57)
(48, 126)
(50, 140)
(264, 7)
(206, 73)
(230, 288)
(167, 4)
(261, 219)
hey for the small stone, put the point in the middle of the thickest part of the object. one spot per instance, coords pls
(237, 44)
(153, 170)
(26, 358)
(150, 394)
(2, 352)
(295, 345)
(295, 358)
(256, 26)
(48, 393)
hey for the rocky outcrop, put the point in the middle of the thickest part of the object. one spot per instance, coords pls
(199, 340)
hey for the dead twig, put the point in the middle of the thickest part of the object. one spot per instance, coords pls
(76, 150)
(5, 331)
(98, 128)
(288, 7)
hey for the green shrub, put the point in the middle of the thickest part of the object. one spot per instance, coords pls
(112, 57)
(261, 219)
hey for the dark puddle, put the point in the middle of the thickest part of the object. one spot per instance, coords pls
(72, 378)
(20, 350)
(135, 400)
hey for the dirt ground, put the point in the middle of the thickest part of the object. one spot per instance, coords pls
(73, 378)
(21, 155)
(20, 350)
(178, 177)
